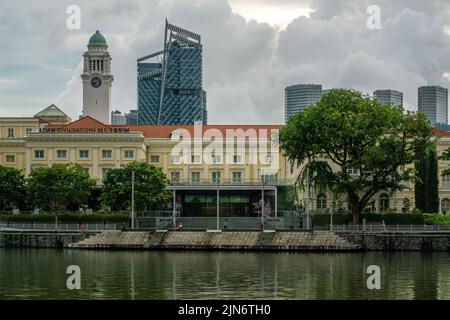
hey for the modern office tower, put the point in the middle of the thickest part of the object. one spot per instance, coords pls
(97, 79)
(132, 117)
(298, 97)
(118, 117)
(170, 89)
(433, 102)
(389, 97)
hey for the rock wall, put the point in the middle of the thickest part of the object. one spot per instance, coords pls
(16, 239)
(401, 241)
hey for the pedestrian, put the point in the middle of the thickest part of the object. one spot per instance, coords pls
(180, 227)
(123, 227)
(225, 224)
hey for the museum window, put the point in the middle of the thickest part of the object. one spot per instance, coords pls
(216, 159)
(39, 154)
(106, 154)
(215, 176)
(195, 177)
(195, 159)
(175, 176)
(105, 172)
(10, 133)
(175, 159)
(10, 158)
(321, 201)
(61, 154)
(237, 159)
(445, 205)
(237, 176)
(154, 159)
(446, 181)
(83, 154)
(128, 154)
(384, 202)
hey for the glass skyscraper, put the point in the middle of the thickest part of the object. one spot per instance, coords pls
(298, 97)
(170, 90)
(389, 97)
(433, 102)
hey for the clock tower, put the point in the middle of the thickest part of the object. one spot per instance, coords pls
(97, 79)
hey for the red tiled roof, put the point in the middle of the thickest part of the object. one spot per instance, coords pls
(441, 133)
(163, 131)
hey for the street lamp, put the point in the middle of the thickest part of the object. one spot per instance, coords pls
(262, 200)
(218, 198)
(174, 213)
(132, 199)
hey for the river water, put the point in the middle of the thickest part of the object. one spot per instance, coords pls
(41, 274)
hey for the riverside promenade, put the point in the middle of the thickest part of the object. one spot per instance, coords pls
(326, 241)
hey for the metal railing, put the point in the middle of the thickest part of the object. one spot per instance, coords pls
(45, 226)
(231, 182)
(379, 228)
(292, 222)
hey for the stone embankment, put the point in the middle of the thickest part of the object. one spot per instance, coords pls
(39, 239)
(229, 240)
(398, 241)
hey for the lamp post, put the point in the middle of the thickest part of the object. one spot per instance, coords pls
(132, 199)
(262, 200)
(307, 198)
(218, 198)
(174, 212)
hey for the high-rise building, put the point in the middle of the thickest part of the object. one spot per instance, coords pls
(389, 97)
(170, 90)
(97, 79)
(433, 102)
(298, 97)
(118, 117)
(132, 117)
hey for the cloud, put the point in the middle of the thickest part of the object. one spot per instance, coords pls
(247, 63)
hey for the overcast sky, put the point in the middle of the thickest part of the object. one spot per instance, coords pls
(252, 50)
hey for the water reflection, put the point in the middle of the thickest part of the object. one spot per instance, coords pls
(41, 274)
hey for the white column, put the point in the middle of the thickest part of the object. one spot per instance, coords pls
(27, 161)
(95, 163)
(20, 160)
(49, 157)
(205, 172)
(72, 155)
(117, 158)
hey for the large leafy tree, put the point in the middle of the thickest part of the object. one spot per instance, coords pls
(149, 188)
(354, 145)
(12, 189)
(59, 187)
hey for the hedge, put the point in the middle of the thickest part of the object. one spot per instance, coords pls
(389, 218)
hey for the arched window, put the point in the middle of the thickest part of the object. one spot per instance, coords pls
(445, 205)
(321, 202)
(384, 202)
(406, 205)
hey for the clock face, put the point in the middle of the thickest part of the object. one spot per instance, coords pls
(96, 82)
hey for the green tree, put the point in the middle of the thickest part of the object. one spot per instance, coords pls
(59, 187)
(12, 189)
(354, 145)
(149, 188)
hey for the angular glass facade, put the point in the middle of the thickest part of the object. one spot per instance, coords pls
(299, 97)
(170, 91)
(433, 102)
(389, 97)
